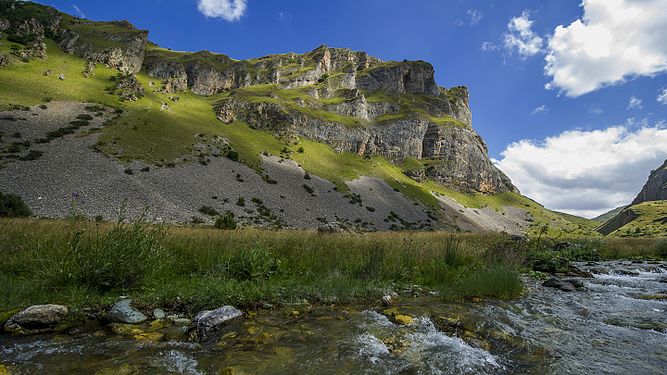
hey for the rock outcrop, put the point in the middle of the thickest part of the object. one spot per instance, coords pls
(117, 44)
(655, 188)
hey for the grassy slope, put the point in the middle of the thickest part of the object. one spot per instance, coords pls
(608, 215)
(145, 131)
(652, 221)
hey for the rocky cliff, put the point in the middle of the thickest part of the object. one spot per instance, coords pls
(347, 99)
(655, 188)
(117, 44)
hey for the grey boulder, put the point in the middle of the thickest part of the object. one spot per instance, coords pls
(38, 318)
(210, 321)
(123, 312)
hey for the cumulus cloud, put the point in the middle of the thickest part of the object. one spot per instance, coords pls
(520, 38)
(587, 172)
(634, 103)
(541, 109)
(229, 10)
(613, 41)
(662, 96)
(475, 16)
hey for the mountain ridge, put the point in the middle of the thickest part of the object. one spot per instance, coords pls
(340, 114)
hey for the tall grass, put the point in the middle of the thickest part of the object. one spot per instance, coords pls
(78, 262)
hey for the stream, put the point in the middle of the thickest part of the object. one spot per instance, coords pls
(615, 324)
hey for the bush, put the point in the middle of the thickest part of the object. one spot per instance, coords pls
(13, 206)
(210, 211)
(240, 202)
(253, 265)
(232, 155)
(308, 188)
(226, 221)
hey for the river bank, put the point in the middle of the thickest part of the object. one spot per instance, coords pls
(615, 323)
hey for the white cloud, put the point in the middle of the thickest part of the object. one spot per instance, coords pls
(229, 10)
(595, 111)
(614, 40)
(587, 172)
(662, 96)
(489, 46)
(634, 103)
(78, 10)
(520, 37)
(540, 110)
(475, 16)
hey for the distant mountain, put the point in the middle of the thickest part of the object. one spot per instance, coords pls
(647, 215)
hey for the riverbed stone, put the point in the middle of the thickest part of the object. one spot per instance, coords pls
(36, 319)
(208, 321)
(159, 314)
(123, 312)
(405, 320)
(575, 282)
(559, 284)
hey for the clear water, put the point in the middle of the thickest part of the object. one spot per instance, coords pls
(607, 328)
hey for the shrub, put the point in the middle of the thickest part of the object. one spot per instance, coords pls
(32, 155)
(257, 201)
(232, 155)
(300, 150)
(129, 171)
(13, 206)
(210, 211)
(84, 117)
(306, 176)
(240, 202)
(308, 188)
(226, 221)
(253, 264)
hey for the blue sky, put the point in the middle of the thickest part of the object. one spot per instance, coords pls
(472, 43)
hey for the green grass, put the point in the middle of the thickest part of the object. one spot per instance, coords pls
(652, 221)
(83, 263)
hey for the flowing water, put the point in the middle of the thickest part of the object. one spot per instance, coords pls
(617, 324)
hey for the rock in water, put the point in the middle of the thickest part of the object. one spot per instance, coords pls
(559, 284)
(35, 319)
(123, 312)
(209, 321)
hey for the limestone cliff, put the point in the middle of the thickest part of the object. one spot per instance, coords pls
(347, 99)
(655, 188)
(117, 44)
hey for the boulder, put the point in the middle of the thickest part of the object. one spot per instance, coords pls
(35, 319)
(123, 312)
(208, 322)
(559, 284)
(159, 314)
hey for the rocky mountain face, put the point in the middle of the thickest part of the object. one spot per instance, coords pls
(117, 44)
(655, 188)
(347, 99)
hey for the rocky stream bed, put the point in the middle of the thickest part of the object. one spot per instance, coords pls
(612, 323)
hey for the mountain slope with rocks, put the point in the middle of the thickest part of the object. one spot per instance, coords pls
(646, 216)
(96, 117)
